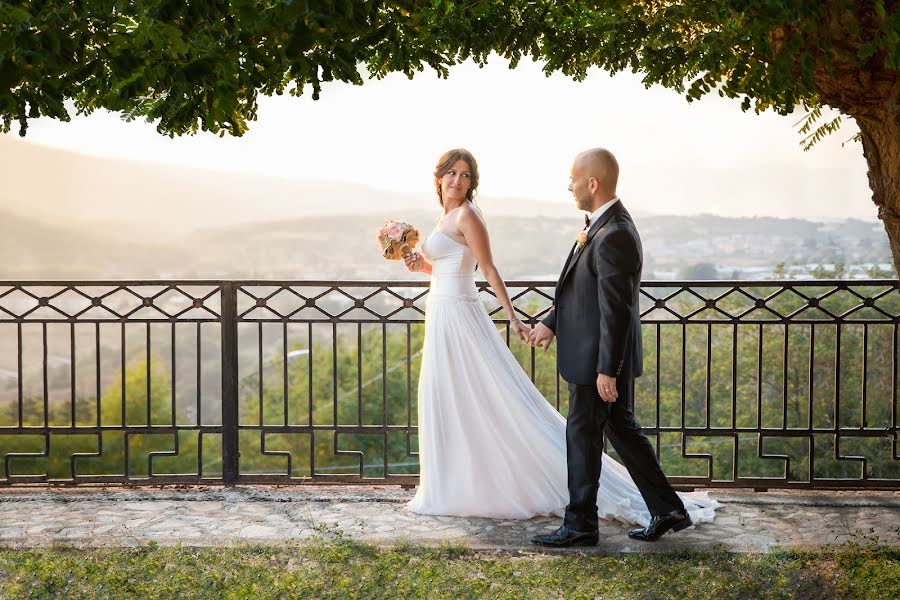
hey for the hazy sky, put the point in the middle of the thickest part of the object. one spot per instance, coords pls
(524, 129)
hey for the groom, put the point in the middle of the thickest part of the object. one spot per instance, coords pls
(596, 317)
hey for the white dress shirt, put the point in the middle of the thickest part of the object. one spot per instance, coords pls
(596, 214)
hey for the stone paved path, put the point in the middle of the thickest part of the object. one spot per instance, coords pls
(206, 516)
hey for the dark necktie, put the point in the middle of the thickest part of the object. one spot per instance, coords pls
(587, 221)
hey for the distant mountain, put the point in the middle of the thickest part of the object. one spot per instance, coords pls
(65, 215)
(741, 247)
(337, 247)
(158, 202)
(340, 247)
(528, 247)
(30, 249)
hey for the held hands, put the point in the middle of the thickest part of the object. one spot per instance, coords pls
(522, 330)
(606, 387)
(541, 337)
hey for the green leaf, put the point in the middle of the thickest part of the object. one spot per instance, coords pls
(13, 14)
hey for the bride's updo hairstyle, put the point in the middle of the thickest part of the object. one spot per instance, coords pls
(446, 162)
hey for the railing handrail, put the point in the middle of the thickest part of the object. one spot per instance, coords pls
(425, 282)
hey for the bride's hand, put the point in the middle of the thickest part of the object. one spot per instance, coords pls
(413, 261)
(522, 330)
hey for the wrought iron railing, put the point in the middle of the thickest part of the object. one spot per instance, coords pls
(763, 384)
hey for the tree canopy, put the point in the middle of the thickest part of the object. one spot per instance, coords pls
(199, 65)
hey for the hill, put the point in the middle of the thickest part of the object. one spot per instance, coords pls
(68, 215)
(343, 247)
(158, 202)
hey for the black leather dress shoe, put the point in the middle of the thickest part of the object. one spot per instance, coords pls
(660, 524)
(564, 537)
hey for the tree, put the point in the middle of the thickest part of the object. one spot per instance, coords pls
(693, 272)
(820, 271)
(104, 453)
(190, 65)
(780, 271)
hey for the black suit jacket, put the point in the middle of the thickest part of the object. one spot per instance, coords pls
(596, 315)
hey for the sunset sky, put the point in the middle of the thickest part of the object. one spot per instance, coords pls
(524, 129)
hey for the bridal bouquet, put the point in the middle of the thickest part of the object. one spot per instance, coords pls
(396, 239)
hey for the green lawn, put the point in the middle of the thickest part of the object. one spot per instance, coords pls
(344, 569)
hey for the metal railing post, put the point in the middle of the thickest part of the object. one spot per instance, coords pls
(230, 450)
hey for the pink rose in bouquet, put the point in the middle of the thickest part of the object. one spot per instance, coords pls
(394, 231)
(396, 239)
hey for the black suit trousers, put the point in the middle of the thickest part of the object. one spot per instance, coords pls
(589, 419)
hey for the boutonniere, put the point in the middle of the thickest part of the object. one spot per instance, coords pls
(580, 240)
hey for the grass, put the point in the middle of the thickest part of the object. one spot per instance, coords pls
(334, 567)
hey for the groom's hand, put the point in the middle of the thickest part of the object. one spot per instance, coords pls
(541, 337)
(606, 387)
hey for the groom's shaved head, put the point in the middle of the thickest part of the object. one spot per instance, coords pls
(600, 164)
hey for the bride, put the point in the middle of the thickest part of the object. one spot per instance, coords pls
(490, 445)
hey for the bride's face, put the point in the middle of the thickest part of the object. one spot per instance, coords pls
(456, 182)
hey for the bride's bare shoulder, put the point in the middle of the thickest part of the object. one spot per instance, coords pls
(471, 212)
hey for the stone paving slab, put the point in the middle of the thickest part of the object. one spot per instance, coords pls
(208, 516)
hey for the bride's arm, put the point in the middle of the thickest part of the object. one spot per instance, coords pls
(472, 226)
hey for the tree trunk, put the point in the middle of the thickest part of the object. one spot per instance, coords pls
(881, 147)
(867, 89)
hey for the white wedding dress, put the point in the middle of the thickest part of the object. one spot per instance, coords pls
(490, 445)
